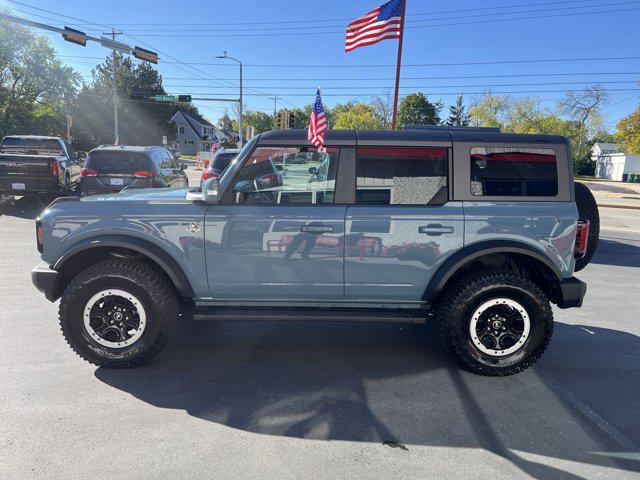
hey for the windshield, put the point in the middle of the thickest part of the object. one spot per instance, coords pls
(228, 174)
(222, 160)
(33, 146)
(115, 163)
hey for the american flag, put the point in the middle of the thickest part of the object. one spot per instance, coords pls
(318, 123)
(380, 24)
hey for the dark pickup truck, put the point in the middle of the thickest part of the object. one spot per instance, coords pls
(38, 165)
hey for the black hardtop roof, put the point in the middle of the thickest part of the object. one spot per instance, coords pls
(351, 137)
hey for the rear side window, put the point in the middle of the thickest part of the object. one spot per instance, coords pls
(118, 163)
(400, 176)
(36, 146)
(514, 172)
(222, 160)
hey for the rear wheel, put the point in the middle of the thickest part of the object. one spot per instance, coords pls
(495, 322)
(118, 313)
(587, 210)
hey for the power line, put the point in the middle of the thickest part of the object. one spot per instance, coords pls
(315, 21)
(449, 64)
(333, 32)
(323, 27)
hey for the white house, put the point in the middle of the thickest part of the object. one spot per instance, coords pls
(194, 133)
(613, 164)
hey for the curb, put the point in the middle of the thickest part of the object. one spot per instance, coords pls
(620, 205)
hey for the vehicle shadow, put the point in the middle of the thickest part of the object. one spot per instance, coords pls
(26, 207)
(389, 384)
(619, 254)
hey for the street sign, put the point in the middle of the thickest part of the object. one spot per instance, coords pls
(165, 98)
(164, 140)
(184, 98)
(75, 36)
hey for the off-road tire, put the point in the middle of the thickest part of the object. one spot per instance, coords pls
(144, 281)
(587, 210)
(455, 309)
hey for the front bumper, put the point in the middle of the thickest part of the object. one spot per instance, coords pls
(46, 280)
(572, 292)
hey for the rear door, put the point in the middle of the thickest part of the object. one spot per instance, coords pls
(109, 171)
(279, 233)
(402, 226)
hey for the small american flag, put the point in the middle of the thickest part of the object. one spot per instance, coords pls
(318, 123)
(380, 24)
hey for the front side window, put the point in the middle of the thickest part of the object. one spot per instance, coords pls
(514, 172)
(400, 176)
(288, 176)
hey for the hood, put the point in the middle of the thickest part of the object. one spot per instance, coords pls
(142, 195)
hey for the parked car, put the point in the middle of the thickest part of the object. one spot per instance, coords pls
(476, 230)
(32, 164)
(220, 162)
(110, 169)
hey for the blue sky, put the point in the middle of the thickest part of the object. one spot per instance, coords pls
(277, 39)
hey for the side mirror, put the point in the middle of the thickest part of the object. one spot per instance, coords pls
(210, 190)
(183, 166)
(313, 171)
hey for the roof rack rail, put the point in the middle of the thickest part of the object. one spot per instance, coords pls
(452, 128)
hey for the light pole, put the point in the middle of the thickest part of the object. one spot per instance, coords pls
(240, 132)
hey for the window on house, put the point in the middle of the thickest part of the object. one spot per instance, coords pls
(514, 172)
(181, 130)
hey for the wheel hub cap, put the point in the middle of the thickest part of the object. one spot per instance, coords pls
(499, 327)
(114, 318)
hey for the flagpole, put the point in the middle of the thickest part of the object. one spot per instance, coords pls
(398, 67)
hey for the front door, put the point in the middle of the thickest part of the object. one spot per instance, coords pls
(402, 226)
(278, 236)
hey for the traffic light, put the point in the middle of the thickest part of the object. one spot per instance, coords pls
(282, 120)
(184, 98)
(146, 55)
(292, 120)
(75, 36)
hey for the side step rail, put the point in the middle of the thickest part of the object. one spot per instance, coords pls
(309, 314)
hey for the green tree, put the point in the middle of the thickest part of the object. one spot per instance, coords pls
(416, 109)
(141, 121)
(260, 121)
(35, 87)
(490, 111)
(628, 132)
(458, 116)
(360, 116)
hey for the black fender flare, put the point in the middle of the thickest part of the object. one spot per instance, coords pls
(143, 247)
(449, 268)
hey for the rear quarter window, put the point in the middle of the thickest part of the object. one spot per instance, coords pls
(513, 172)
(114, 163)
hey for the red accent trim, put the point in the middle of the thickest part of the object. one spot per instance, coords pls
(439, 153)
(208, 175)
(516, 157)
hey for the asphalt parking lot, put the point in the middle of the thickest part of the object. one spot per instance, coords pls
(320, 400)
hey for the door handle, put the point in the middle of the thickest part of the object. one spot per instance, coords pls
(435, 229)
(317, 229)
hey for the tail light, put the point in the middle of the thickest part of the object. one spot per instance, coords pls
(55, 168)
(88, 172)
(39, 235)
(208, 175)
(582, 238)
(145, 174)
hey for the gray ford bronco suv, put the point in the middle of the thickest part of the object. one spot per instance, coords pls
(478, 230)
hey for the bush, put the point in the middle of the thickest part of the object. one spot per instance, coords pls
(584, 167)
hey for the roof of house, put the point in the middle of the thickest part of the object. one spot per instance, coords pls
(606, 146)
(196, 118)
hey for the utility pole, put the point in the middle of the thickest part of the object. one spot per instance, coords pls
(275, 111)
(116, 136)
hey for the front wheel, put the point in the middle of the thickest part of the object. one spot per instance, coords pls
(118, 313)
(495, 323)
